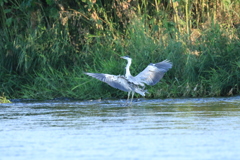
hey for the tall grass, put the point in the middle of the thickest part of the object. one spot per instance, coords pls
(46, 46)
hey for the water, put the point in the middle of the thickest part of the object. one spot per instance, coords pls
(170, 129)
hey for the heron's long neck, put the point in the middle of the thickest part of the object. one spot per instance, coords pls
(128, 74)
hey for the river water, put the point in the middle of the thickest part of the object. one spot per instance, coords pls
(169, 129)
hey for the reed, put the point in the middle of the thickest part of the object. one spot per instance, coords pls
(46, 46)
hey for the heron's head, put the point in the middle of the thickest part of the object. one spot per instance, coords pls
(126, 57)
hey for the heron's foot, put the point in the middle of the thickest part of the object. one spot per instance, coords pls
(126, 104)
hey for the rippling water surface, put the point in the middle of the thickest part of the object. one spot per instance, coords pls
(170, 129)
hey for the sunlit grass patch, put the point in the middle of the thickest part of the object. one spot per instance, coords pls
(3, 99)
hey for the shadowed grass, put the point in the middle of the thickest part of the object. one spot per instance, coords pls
(207, 68)
(48, 60)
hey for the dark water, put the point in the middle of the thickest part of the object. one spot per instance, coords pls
(204, 128)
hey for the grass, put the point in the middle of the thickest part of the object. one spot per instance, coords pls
(211, 72)
(3, 99)
(48, 61)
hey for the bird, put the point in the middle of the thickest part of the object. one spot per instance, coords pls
(150, 76)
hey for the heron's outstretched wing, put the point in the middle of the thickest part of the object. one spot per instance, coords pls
(153, 72)
(118, 82)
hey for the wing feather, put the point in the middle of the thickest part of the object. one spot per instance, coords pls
(153, 73)
(114, 81)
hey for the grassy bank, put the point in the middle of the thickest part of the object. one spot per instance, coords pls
(46, 47)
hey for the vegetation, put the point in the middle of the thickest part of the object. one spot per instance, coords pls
(45, 46)
(3, 99)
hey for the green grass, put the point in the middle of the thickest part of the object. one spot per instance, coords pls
(3, 99)
(47, 61)
(213, 72)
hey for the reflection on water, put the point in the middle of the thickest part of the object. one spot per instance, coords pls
(203, 128)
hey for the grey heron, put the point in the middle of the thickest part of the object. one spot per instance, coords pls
(150, 76)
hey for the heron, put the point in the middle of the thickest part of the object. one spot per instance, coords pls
(119, 82)
(151, 75)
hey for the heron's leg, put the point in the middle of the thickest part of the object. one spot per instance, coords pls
(132, 97)
(128, 96)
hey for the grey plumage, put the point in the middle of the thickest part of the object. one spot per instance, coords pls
(118, 82)
(151, 75)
